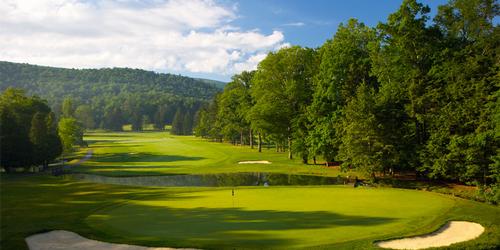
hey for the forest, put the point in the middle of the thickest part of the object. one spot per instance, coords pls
(31, 134)
(415, 94)
(109, 98)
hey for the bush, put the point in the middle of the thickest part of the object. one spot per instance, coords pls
(490, 193)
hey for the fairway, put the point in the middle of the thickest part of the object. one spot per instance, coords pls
(159, 153)
(279, 217)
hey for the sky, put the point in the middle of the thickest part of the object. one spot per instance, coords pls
(212, 39)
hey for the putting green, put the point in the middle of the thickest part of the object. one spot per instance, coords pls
(274, 217)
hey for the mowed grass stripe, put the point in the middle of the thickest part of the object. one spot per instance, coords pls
(159, 153)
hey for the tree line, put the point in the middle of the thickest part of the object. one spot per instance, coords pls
(409, 95)
(31, 134)
(109, 98)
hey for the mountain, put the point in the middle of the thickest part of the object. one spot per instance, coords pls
(218, 84)
(138, 95)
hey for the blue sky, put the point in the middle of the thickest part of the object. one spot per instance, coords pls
(310, 23)
(202, 38)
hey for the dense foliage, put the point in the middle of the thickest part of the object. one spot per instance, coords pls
(109, 98)
(28, 131)
(409, 95)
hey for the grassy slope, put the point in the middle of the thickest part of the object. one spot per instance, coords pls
(32, 204)
(157, 153)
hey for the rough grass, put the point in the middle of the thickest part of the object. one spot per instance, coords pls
(279, 217)
(159, 153)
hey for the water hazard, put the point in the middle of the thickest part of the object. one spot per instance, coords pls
(216, 180)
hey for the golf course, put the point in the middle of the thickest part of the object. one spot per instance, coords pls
(255, 216)
(230, 124)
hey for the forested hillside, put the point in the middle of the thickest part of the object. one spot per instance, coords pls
(108, 98)
(413, 94)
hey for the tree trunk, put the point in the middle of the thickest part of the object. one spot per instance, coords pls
(314, 159)
(241, 138)
(251, 139)
(290, 156)
(260, 143)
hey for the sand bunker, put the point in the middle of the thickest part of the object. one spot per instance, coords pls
(60, 239)
(452, 232)
(254, 162)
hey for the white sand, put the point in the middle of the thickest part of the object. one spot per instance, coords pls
(254, 162)
(452, 232)
(62, 240)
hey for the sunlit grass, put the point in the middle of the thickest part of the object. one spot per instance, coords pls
(158, 153)
(284, 217)
(281, 217)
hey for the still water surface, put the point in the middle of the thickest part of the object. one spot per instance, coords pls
(216, 180)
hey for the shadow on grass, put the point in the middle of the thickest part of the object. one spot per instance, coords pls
(117, 134)
(142, 157)
(111, 143)
(120, 145)
(221, 227)
(127, 170)
(33, 204)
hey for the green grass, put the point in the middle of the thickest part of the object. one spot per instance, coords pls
(159, 153)
(331, 217)
(285, 217)
(278, 217)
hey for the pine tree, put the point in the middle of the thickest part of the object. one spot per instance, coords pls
(362, 146)
(187, 124)
(177, 128)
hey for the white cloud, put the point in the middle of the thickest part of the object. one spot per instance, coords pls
(250, 63)
(173, 35)
(296, 24)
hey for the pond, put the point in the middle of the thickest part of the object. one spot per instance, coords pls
(216, 180)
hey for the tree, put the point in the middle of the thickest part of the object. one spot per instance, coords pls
(202, 122)
(85, 116)
(71, 133)
(462, 144)
(187, 124)
(114, 119)
(177, 123)
(104, 89)
(25, 136)
(233, 107)
(145, 121)
(160, 117)
(67, 107)
(362, 146)
(282, 88)
(345, 64)
(16, 149)
(401, 61)
(206, 124)
(54, 144)
(39, 137)
(133, 109)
